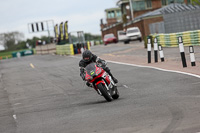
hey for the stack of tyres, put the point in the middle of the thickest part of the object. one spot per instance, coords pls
(59, 50)
(173, 40)
(167, 40)
(179, 34)
(194, 38)
(186, 38)
(199, 36)
(161, 39)
(67, 49)
(75, 49)
(79, 48)
(71, 49)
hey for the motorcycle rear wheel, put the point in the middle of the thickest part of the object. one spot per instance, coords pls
(106, 94)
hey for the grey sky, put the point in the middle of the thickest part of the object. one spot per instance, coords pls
(82, 14)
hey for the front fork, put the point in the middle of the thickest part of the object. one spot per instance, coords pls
(112, 85)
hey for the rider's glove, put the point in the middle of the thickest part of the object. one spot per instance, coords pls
(102, 63)
(82, 76)
(82, 73)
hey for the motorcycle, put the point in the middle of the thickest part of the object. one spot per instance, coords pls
(101, 81)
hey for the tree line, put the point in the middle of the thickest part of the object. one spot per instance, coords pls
(15, 40)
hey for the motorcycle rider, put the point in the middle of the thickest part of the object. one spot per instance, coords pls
(87, 58)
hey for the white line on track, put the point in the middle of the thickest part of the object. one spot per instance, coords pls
(195, 84)
(15, 117)
(125, 86)
(17, 103)
(161, 69)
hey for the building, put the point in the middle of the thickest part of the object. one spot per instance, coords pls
(113, 16)
(138, 13)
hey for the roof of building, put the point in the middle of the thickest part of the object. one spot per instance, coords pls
(178, 8)
(111, 9)
(171, 8)
(119, 2)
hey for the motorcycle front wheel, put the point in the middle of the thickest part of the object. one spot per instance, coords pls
(116, 95)
(106, 94)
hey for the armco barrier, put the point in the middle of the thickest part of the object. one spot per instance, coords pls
(67, 49)
(171, 40)
(22, 53)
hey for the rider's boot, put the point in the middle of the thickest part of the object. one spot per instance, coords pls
(114, 79)
(108, 71)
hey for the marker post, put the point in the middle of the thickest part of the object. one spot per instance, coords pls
(181, 48)
(192, 57)
(149, 50)
(161, 53)
(155, 50)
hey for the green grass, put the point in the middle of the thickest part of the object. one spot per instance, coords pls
(5, 53)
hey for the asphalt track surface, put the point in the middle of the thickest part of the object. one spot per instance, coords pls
(44, 94)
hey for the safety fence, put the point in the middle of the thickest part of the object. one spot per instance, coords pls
(171, 40)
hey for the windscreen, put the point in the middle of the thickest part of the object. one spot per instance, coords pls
(133, 31)
(109, 36)
(122, 33)
(90, 69)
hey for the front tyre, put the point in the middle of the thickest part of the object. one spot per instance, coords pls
(116, 94)
(106, 94)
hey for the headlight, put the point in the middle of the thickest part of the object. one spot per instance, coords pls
(89, 78)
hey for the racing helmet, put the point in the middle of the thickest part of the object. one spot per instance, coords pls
(87, 55)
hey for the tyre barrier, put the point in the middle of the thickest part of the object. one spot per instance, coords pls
(66, 49)
(170, 40)
(71, 49)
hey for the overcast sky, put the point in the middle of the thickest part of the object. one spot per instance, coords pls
(82, 14)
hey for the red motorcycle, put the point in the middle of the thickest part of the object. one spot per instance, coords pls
(101, 81)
